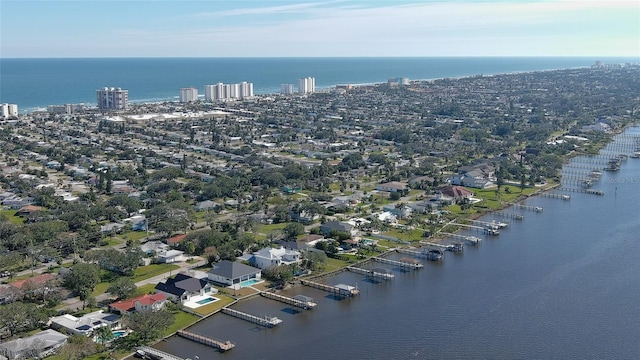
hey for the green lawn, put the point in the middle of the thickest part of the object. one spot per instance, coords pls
(267, 228)
(334, 264)
(145, 272)
(182, 320)
(145, 289)
(100, 289)
(134, 235)
(111, 241)
(406, 235)
(10, 214)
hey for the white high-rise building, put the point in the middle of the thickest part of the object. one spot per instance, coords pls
(221, 91)
(209, 92)
(188, 94)
(112, 98)
(246, 89)
(7, 110)
(234, 91)
(307, 85)
(286, 89)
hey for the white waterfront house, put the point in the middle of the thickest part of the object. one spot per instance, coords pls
(269, 257)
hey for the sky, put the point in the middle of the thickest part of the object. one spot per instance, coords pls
(313, 28)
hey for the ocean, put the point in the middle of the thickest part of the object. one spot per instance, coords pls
(36, 83)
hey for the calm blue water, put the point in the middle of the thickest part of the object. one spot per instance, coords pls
(36, 83)
(561, 284)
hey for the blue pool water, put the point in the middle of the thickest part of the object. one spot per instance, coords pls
(249, 282)
(119, 333)
(205, 301)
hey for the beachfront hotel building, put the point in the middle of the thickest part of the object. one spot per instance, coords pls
(286, 89)
(8, 110)
(221, 91)
(188, 94)
(307, 85)
(112, 98)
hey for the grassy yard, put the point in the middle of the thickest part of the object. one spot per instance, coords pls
(334, 264)
(10, 215)
(134, 235)
(213, 307)
(267, 228)
(406, 235)
(145, 272)
(100, 289)
(145, 289)
(182, 320)
(111, 241)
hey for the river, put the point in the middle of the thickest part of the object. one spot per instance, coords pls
(563, 283)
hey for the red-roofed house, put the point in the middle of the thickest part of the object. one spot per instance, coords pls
(145, 302)
(455, 192)
(175, 240)
(28, 209)
(35, 286)
(36, 281)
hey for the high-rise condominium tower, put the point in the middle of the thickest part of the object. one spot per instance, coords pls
(112, 98)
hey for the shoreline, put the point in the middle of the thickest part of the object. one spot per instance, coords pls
(320, 89)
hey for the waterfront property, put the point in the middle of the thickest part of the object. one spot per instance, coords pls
(199, 300)
(182, 288)
(144, 302)
(232, 273)
(86, 324)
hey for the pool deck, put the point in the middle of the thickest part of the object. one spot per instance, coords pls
(193, 302)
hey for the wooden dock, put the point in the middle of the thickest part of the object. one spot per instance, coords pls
(513, 216)
(206, 340)
(402, 264)
(373, 273)
(565, 197)
(527, 207)
(307, 305)
(154, 354)
(265, 321)
(340, 289)
(584, 191)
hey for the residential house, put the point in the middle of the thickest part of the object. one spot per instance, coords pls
(175, 240)
(455, 192)
(36, 285)
(401, 212)
(310, 240)
(392, 187)
(86, 324)
(182, 287)
(170, 256)
(153, 247)
(39, 345)
(233, 273)
(28, 210)
(206, 205)
(332, 226)
(112, 228)
(269, 257)
(146, 302)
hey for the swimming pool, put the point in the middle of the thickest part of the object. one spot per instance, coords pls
(119, 333)
(205, 301)
(250, 282)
